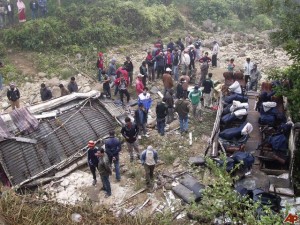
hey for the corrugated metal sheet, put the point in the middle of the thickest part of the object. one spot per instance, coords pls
(22, 161)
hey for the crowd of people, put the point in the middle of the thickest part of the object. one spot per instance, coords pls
(38, 8)
(172, 67)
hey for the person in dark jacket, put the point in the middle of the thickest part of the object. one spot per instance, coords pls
(93, 159)
(170, 105)
(143, 71)
(160, 65)
(161, 113)
(72, 86)
(106, 86)
(104, 170)
(45, 92)
(129, 68)
(140, 117)
(130, 132)
(43, 8)
(180, 44)
(34, 6)
(182, 107)
(112, 149)
(171, 45)
(10, 12)
(179, 88)
(13, 95)
(176, 62)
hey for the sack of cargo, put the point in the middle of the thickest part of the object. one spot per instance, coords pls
(266, 119)
(235, 87)
(279, 142)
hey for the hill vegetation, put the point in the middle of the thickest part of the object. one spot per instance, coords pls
(103, 23)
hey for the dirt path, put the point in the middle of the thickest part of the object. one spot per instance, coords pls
(23, 61)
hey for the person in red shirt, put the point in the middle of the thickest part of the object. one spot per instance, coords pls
(169, 59)
(139, 86)
(123, 72)
(100, 66)
(150, 63)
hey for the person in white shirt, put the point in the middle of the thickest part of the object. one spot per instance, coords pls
(248, 66)
(185, 60)
(215, 53)
(149, 159)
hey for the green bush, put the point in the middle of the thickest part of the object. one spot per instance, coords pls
(2, 49)
(262, 22)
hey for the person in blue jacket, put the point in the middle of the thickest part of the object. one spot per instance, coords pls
(112, 149)
(145, 99)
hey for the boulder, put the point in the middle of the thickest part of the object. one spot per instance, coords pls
(53, 82)
(251, 37)
(78, 56)
(229, 41)
(261, 46)
(56, 92)
(207, 25)
(260, 42)
(42, 74)
(242, 54)
(27, 85)
(86, 89)
(237, 37)
(5, 105)
(223, 43)
(98, 87)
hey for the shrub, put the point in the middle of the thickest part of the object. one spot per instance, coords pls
(263, 22)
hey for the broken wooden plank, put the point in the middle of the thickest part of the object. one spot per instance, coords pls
(136, 193)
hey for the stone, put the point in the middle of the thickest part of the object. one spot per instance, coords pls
(260, 41)
(207, 25)
(27, 85)
(53, 82)
(42, 74)
(242, 54)
(65, 182)
(223, 43)
(261, 46)
(78, 56)
(250, 37)
(86, 89)
(229, 41)
(4, 105)
(237, 37)
(56, 92)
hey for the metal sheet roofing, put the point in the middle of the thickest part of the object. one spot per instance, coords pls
(73, 129)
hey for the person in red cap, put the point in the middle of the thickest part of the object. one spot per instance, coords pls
(139, 86)
(100, 66)
(93, 159)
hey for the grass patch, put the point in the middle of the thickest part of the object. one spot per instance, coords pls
(136, 172)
